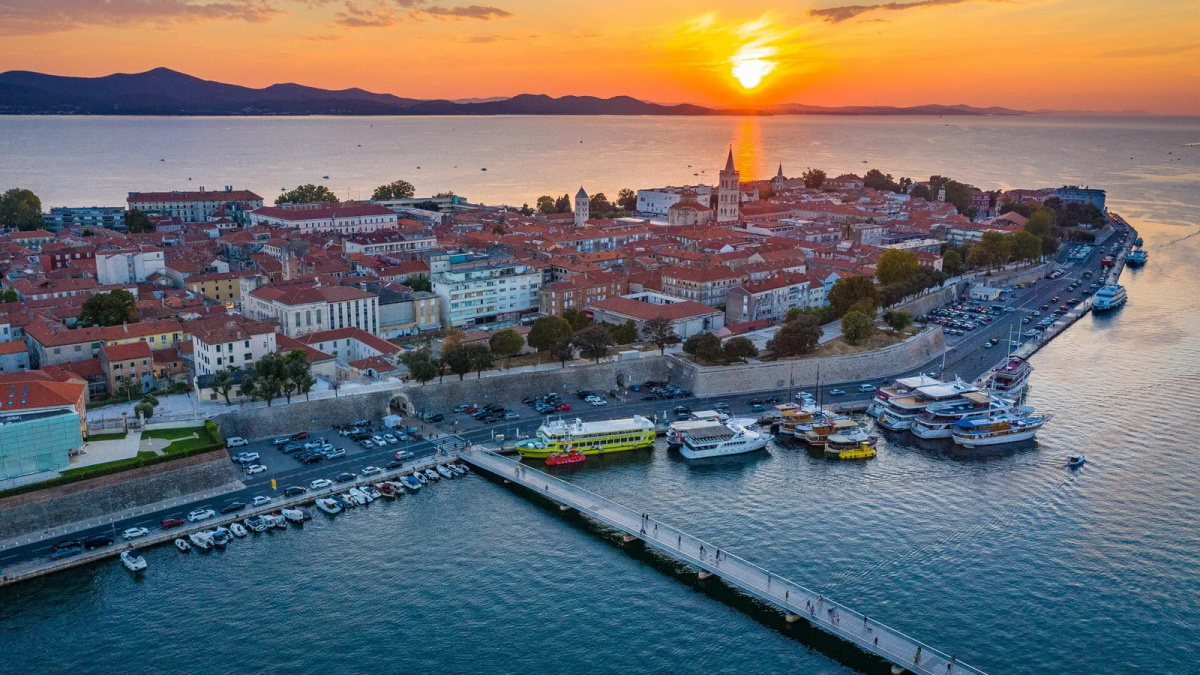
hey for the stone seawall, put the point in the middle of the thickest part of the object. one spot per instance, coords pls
(75, 502)
(927, 303)
(282, 419)
(917, 350)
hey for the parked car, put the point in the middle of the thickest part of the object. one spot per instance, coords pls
(200, 514)
(246, 457)
(395, 464)
(371, 470)
(344, 477)
(232, 507)
(135, 532)
(282, 440)
(436, 417)
(377, 440)
(598, 402)
(98, 541)
(390, 438)
(366, 443)
(65, 552)
(404, 455)
(255, 468)
(511, 416)
(300, 436)
(312, 458)
(836, 392)
(866, 388)
(338, 452)
(260, 500)
(236, 442)
(294, 491)
(289, 448)
(171, 521)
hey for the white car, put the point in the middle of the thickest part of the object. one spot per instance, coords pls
(255, 468)
(371, 471)
(246, 457)
(261, 500)
(135, 532)
(866, 387)
(201, 514)
(377, 440)
(598, 402)
(389, 438)
(236, 442)
(320, 484)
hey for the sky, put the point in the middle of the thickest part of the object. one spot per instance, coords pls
(1103, 55)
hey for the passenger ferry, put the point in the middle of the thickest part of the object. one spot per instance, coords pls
(700, 419)
(999, 429)
(796, 420)
(904, 403)
(1110, 296)
(939, 419)
(1137, 258)
(843, 426)
(838, 446)
(722, 440)
(1009, 378)
(590, 438)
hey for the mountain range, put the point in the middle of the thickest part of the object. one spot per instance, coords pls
(167, 92)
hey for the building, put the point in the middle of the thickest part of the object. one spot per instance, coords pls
(193, 207)
(129, 265)
(1073, 194)
(385, 241)
(770, 299)
(779, 182)
(223, 287)
(132, 361)
(580, 290)
(582, 208)
(308, 305)
(689, 212)
(728, 192)
(687, 318)
(487, 293)
(63, 217)
(985, 293)
(706, 285)
(14, 356)
(230, 340)
(352, 344)
(42, 423)
(350, 218)
(658, 201)
(51, 343)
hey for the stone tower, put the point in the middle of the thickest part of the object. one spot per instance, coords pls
(581, 207)
(779, 181)
(728, 192)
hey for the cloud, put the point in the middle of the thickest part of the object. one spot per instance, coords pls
(847, 12)
(357, 16)
(383, 13)
(30, 17)
(469, 12)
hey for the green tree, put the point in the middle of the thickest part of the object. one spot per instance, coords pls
(563, 350)
(740, 349)
(419, 283)
(481, 358)
(129, 388)
(109, 309)
(593, 342)
(856, 327)
(421, 366)
(813, 178)
(20, 209)
(626, 333)
(306, 194)
(145, 408)
(799, 336)
(598, 205)
(137, 222)
(952, 263)
(506, 344)
(878, 180)
(459, 361)
(992, 250)
(526, 210)
(897, 320)
(563, 204)
(399, 189)
(866, 306)
(268, 388)
(895, 266)
(10, 295)
(222, 383)
(1026, 246)
(627, 199)
(577, 318)
(659, 331)
(846, 292)
(452, 339)
(704, 346)
(545, 204)
(546, 331)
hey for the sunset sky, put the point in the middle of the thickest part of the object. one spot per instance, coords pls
(1063, 54)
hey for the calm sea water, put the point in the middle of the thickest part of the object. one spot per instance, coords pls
(1013, 563)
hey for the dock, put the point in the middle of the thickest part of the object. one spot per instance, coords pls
(795, 601)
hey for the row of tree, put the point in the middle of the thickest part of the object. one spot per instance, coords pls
(598, 204)
(313, 194)
(270, 377)
(708, 347)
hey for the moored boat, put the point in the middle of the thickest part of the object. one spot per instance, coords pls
(939, 419)
(568, 457)
(458, 469)
(329, 505)
(720, 440)
(444, 472)
(590, 438)
(1109, 297)
(420, 476)
(238, 530)
(1137, 258)
(387, 489)
(133, 560)
(432, 475)
(221, 536)
(839, 446)
(1009, 378)
(183, 546)
(999, 429)
(411, 483)
(277, 520)
(256, 523)
(898, 406)
(202, 540)
(295, 515)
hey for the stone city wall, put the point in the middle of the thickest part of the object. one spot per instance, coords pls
(75, 502)
(281, 419)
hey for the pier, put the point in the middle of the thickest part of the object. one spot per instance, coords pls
(794, 600)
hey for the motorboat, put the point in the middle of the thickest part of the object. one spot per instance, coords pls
(221, 536)
(294, 515)
(432, 475)
(445, 473)
(133, 561)
(411, 483)
(329, 505)
(845, 426)
(256, 524)
(895, 407)
(839, 446)
(939, 419)
(999, 429)
(1076, 460)
(1137, 258)
(347, 501)
(465, 469)
(238, 530)
(202, 540)
(371, 491)
(386, 490)
(696, 420)
(277, 520)
(458, 469)
(358, 498)
(182, 545)
(420, 476)
(564, 458)
(720, 440)
(1009, 377)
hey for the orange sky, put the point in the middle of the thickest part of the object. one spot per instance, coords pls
(1063, 54)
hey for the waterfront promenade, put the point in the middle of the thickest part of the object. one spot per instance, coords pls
(796, 601)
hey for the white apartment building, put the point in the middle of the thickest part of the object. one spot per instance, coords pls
(129, 265)
(192, 207)
(350, 218)
(230, 340)
(306, 306)
(658, 201)
(390, 241)
(485, 294)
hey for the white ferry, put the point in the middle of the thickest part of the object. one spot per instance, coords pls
(999, 429)
(1110, 296)
(908, 402)
(700, 419)
(939, 419)
(720, 440)
(590, 438)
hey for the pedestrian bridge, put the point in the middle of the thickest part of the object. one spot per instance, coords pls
(795, 601)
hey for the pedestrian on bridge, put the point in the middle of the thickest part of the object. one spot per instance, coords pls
(917, 657)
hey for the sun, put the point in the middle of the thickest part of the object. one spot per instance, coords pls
(750, 72)
(754, 60)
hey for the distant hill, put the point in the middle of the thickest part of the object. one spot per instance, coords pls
(931, 109)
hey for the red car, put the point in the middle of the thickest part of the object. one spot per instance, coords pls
(472, 408)
(566, 407)
(300, 436)
(173, 521)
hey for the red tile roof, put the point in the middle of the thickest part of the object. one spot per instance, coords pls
(645, 311)
(126, 352)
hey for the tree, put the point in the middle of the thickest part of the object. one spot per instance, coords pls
(866, 306)
(399, 189)
(598, 205)
(109, 309)
(992, 250)
(452, 339)
(625, 333)
(268, 388)
(222, 382)
(740, 348)
(897, 320)
(506, 344)
(952, 263)
(593, 342)
(563, 204)
(563, 350)
(577, 318)
(420, 366)
(813, 178)
(545, 204)
(846, 292)
(895, 266)
(659, 331)
(856, 327)
(1026, 246)
(481, 358)
(459, 360)
(20, 209)
(627, 199)
(704, 346)
(799, 336)
(129, 388)
(878, 180)
(306, 194)
(145, 409)
(526, 210)
(546, 331)
(419, 283)
(137, 222)
(10, 295)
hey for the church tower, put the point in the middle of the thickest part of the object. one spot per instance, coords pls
(728, 192)
(581, 208)
(779, 181)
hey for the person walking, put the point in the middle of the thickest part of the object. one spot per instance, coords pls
(917, 657)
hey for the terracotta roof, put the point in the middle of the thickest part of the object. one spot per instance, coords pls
(644, 311)
(324, 212)
(37, 394)
(224, 328)
(289, 293)
(125, 352)
(379, 363)
(13, 347)
(223, 196)
(376, 343)
(285, 344)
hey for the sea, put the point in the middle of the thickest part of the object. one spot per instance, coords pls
(1012, 563)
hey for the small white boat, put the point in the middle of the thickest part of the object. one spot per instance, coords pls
(256, 523)
(388, 489)
(238, 530)
(371, 491)
(432, 475)
(347, 501)
(445, 473)
(294, 515)
(1076, 460)
(202, 540)
(329, 505)
(277, 520)
(133, 561)
(221, 536)
(458, 470)
(420, 476)
(182, 545)
(411, 484)
(359, 496)
(465, 469)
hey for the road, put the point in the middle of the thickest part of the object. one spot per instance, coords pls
(966, 357)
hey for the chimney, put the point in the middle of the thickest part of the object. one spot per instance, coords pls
(126, 326)
(202, 188)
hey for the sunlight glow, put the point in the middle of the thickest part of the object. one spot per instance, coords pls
(755, 58)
